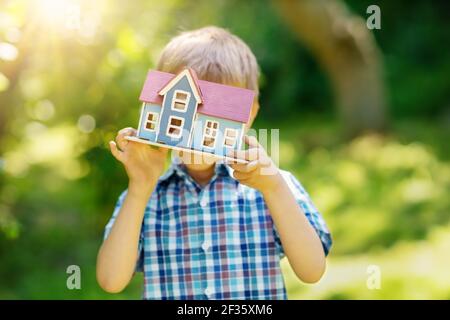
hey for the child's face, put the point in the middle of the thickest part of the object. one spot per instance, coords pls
(253, 113)
(195, 161)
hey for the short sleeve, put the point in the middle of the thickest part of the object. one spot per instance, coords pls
(109, 225)
(312, 214)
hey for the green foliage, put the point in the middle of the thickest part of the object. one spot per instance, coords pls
(414, 40)
(382, 181)
(68, 90)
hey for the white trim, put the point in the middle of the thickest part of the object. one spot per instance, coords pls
(192, 128)
(236, 135)
(169, 126)
(241, 137)
(140, 118)
(191, 81)
(174, 100)
(213, 130)
(155, 122)
(162, 145)
(194, 122)
(161, 115)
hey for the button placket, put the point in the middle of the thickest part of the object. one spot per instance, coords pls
(203, 202)
(207, 243)
(209, 292)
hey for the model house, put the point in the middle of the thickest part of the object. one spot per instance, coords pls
(184, 112)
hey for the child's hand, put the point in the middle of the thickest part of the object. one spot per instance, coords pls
(144, 164)
(260, 172)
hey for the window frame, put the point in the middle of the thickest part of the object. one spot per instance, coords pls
(210, 135)
(169, 125)
(175, 100)
(234, 138)
(156, 117)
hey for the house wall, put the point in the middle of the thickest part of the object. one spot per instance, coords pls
(220, 149)
(142, 131)
(188, 116)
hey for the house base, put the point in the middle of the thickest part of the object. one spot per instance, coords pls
(225, 158)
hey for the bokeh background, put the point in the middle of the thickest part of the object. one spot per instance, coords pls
(363, 115)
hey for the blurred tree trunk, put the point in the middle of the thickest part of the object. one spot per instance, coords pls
(347, 51)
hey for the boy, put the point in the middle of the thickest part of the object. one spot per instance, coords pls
(210, 231)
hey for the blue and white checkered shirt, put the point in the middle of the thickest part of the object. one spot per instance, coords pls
(215, 242)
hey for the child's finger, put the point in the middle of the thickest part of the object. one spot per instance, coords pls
(249, 154)
(241, 176)
(120, 139)
(251, 141)
(115, 151)
(128, 131)
(245, 167)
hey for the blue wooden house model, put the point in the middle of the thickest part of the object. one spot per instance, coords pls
(184, 113)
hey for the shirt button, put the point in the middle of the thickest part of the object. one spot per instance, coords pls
(206, 245)
(208, 292)
(203, 203)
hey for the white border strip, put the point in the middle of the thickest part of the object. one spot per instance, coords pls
(184, 149)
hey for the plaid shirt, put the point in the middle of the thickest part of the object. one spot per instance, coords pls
(215, 242)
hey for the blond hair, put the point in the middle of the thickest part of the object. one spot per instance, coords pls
(215, 54)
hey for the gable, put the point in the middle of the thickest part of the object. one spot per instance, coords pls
(185, 75)
(182, 84)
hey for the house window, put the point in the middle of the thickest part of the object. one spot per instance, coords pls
(230, 138)
(151, 120)
(175, 127)
(210, 134)
(180, 100)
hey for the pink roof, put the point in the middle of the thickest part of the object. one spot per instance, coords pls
(219, 100)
